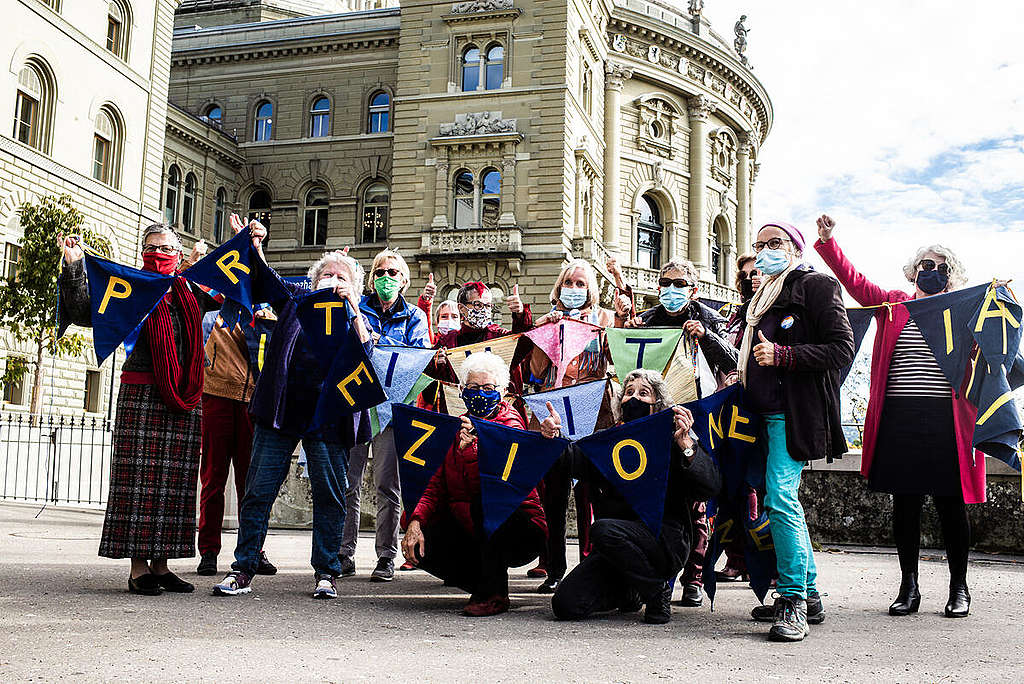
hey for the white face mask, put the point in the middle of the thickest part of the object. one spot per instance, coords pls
(328, 282)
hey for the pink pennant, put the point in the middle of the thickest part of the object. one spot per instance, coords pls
(563, 341)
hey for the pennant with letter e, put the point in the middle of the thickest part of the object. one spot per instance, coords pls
(577, 406)
(324, 318)
(562, 341)
(634, 458)
(351, 384)
(422, 440)
(121, 299)
(650, 348)
(399, 369)
(229, 269)
(511, 463)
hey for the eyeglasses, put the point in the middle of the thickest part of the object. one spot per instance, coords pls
(477, 305)
(381, 272)
(930, 265)
(164, 249)
(489, 387)
(678, 282)
(774, 243)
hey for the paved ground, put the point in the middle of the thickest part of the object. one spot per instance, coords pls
(65, 615)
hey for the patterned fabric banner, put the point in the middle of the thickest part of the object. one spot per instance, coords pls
(633, 348)
(562, 341)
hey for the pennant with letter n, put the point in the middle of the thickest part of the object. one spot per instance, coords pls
(351, 384)
(562, 341)
(650, 348)
(634, 458)
(324, 318)
(228, 269)
(577, 406)
(504, 347)
(422, 440)
(511, 463)
(399, 369)
(121, 298)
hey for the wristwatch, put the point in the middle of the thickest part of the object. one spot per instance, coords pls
(688, 453)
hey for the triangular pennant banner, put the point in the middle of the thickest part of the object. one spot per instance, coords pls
(634, 458)
(417, 389)
(562, 341)
(511, 463)
(680, 375)
(422, 439)
(399, 368)
(505, 347)
(860, 321)
(996, 327)
(453, 403)
(650, 348)
(351, 384)
(577, 406)
(324, 318)
(228, 269)
(943, 321)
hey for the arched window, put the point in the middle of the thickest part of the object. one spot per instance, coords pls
(588, 86)
(315, 232)
(259, 207)
(108, 140)
(495, 67)
(649, 233)
(320, 118)
(376, 205)
(118, 28)
(33, 105)
(490, 198)
(380, 113)
(470, 68)
(464, 192)
(264, 122)
(172, 195)
(188, 205)
(220, 215)
(717, 256)
(214, 114)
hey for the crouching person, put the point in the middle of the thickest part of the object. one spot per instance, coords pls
(628, 565)
(445, 536)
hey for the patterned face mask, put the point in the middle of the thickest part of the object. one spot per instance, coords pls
(481, 403)
(478, 317)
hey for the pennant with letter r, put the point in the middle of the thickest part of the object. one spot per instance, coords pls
(228, 269)
(121, 298)
(399, 369)
(634, 458)
(324, 318)
(351, 384)
(511, 463)
(564, 340)
(650, 348)
(504, 347)
(422, 440)
(577, 406)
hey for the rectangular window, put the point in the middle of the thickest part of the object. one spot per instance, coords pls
(12, 254)
(26, 113)
(316, 227)
(379, 122)
(114, 35)
(101, 159)
(319, 125)
(93, 390)
(14, 392)
(375, 224)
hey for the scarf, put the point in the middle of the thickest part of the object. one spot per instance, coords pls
(760, 303)
(180, 388)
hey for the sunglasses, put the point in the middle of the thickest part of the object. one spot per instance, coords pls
(678, 282)
(381, 272)
(774, 243)
(743, 275)
(930, 265)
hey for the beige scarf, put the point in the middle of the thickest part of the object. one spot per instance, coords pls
(759, 305)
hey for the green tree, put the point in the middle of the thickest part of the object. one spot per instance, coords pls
(28, 297)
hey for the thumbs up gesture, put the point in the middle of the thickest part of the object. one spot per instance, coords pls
(764, 351)
(551, 426)
(513, 302)
(430, 289)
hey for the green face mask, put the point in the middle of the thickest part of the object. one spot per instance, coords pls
(387, 287)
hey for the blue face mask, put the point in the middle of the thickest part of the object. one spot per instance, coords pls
(772, 261)
(932, 282)
(674, 298)
(572, 297)
(481, 403)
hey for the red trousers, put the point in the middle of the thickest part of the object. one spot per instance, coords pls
(227, 438)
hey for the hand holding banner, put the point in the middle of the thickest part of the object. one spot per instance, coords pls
(422, 440)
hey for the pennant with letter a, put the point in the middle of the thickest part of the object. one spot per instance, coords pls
(634, 458)
(577, 406)
(650, 348)
(562, 341)
(511, 463)
(422, 440)
(228, 269)
(324, 318)
(351, 384)
(399, 369)
(121, 298)
(504, 347)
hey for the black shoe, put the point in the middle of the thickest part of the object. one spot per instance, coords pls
(659, 607)
(348, 565)
(630, 602)
(549, 585)
(384, 572)
(909, 598)
(172, 583)
(815, 608)
(207, 565)
(790, 620)
(693, 595)
(959, 604)
(265, 567)
(146, 585)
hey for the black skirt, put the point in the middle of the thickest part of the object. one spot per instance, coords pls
(915, 452)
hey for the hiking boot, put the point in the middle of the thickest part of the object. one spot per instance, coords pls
(325, 587)
(233, 584)
(790, 620)
(265, 567)
(384, 572)
(659, 606)
(207, 565)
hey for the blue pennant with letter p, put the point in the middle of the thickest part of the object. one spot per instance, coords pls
(511, 463)
(422, 440)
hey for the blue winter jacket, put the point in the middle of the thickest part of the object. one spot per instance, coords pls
(401, 324)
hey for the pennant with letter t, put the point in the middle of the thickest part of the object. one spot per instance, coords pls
(650, 348)
(324, 318)
(228, 269)
(577, 406)
(422, 440)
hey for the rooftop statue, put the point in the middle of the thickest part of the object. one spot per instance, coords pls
(741, 38)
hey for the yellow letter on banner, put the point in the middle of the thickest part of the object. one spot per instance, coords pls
(508, 463)
(617, 462)
(117, 288)
(428, 430)
(354, 377)
(328, 308)
(715, 428)
(1000, 311)
(947, 322)
(259, 355)
(762, 540)
(737, 419)
(230, 262)
(725, 532)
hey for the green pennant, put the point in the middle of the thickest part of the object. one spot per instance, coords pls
(633, 348)
(421, 384)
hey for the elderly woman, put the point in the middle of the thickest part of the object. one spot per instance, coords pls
(445, 534)
(151, 509)
(628, 565)
(748, 279)
(282, 409)
(392, 321)
(904, 455)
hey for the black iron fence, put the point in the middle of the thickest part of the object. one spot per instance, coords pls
(55, 459)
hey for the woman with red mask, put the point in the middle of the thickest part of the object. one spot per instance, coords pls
(151, 509)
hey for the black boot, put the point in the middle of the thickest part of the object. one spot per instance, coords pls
(659, 606)
(959, 604)
(909, 598)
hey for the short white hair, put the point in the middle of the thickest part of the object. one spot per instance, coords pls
(957, 271)
(355, 271)
(486, 362)
(400, 264)
(662, 394)
(446, 304)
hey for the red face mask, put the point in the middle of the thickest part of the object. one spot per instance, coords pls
(159, 262)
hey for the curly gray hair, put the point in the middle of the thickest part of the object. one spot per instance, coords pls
(687, 267)
(957, 271)
(355, 271)
(486, 362)
(662, 395)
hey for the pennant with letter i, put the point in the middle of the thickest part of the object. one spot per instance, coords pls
(324, 318)
(422, 440)
(634, 458)
(577, 406)
(650, 348)
(228, 269)
(511, 463)
(563, 340)
(399, 369)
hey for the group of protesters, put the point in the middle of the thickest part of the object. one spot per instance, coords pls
(201, 392)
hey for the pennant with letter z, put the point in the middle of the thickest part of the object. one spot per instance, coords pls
(422, 440)
(650, 348)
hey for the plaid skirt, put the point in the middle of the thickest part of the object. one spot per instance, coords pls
(151, 508)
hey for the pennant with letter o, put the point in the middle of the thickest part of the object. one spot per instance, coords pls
(228, 269)
(422, 440)
(511, 463)
(577, 406)
(633, 348)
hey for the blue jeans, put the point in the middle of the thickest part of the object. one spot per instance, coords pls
(326, 463)
(794, 555)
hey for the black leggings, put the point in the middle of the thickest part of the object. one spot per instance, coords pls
(956, 531)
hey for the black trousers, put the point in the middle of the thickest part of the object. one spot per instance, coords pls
(557, 486)
(956, 531)
(626, 560)
(476, 565)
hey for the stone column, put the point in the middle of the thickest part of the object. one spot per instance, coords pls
(508, 192)
(441, 210)
(615, 76)
(754, 168)
(700, 108)
(743, 195)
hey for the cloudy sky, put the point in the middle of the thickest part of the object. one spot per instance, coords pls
(902, 120)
